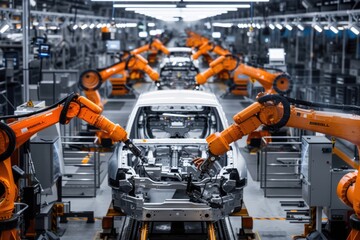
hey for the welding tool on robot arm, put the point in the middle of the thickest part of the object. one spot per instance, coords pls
(91, 80)
(154, 44)
(13, 135)
(279, 82)
(276, 111)
(210, 47)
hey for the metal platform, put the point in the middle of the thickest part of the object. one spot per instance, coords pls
(118, 226)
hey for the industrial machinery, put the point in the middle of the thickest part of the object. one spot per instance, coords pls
(276, 111)
(272, 82)
(91, 80)
(15, 134)
(154, 46)
(130, 66)
(195, 40)
(212, 47)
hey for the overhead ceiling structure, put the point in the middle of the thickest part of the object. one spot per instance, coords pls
(275, 14)
(185, 10)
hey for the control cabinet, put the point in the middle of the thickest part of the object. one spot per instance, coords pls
(46, 156)
(315, 170)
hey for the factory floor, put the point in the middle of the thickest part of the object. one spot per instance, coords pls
(269, 215)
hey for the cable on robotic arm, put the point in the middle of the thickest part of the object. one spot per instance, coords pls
(237, 60)
(12, 141)
(70, 98)
(128, 61)
(150, 42)
(286, 106)
(33, 113)
(324, 105)
(278, 78)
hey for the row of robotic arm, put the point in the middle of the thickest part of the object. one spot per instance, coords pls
(278, 82)
(274, 111)
(91, 80)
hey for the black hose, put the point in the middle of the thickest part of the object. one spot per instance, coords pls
(70, 98)
(33, 113)
(236, 58)
(128, 60)
(280, 76)
(324, 105)
(12, 141)
(265, 68)
(286, 106)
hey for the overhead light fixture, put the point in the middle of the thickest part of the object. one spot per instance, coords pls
(4, 28)
(130, 25)
(279, 26)
(355, 29)
(174, 14)
(317, 27)
(218, 6)
(271, 26)
(224, 25)
(74, 27)
(155, 32)
(307, 4)
(341, 28)
(151, 24)
(144, 6)
(179, 10)
(91, 26)
(226, 1)
(216, 34)
(334, 29)
(84, 26)
(141, 1)
(99, 25)
(53, 27)
(300, 27)
(143, 34)
(288, 27)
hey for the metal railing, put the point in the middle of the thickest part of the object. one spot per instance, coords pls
(280, 162)
(83, 166)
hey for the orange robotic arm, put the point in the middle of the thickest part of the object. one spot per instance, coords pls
(91, 80)
(227, 62)
(17, 133)
(272, 82)
(275, 111)
(156, 44)
(210, 46)
(196, 41)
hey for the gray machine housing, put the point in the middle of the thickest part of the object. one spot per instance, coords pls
(315, 169)
(321, 174)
